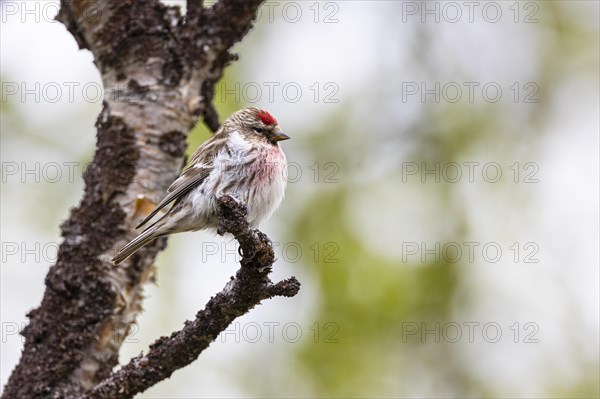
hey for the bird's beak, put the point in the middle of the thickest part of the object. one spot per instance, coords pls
(278, 135)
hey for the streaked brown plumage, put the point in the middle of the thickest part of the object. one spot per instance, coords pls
(243, 159)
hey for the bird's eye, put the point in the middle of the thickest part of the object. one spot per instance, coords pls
(259, 130)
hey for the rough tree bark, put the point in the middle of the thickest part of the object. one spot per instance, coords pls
(158, 70)
(250, 286)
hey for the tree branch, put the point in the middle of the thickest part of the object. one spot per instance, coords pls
(222, 25)
(193, 10)
(157, 74)
(250, 286)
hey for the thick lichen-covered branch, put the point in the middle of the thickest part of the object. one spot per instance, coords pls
(158, 71)
(247, 289)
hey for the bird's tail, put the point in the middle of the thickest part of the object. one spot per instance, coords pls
(147, 236)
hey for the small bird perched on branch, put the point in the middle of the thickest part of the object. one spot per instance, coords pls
(243, 160)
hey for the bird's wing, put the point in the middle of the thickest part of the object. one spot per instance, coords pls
(199, 166)
(189, 179)
(206, 153)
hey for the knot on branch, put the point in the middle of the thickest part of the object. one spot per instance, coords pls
(288, 288)
(232, 216)
(256, 248)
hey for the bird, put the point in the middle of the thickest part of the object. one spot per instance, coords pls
(243, 159)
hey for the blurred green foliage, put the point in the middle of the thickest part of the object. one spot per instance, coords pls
(366, 295)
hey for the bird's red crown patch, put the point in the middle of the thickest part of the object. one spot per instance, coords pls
(266, 118)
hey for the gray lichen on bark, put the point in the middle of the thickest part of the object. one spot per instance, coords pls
(158, 70)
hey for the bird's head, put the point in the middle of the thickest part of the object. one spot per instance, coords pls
(256, 124)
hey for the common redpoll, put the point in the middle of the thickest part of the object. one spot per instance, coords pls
(242, 159)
